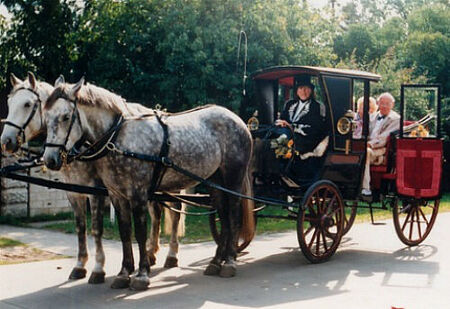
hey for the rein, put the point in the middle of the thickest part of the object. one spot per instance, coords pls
(37, 104)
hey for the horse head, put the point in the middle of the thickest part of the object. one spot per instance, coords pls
(63, 122)
(24, 120)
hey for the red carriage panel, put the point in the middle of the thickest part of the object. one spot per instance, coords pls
(419, 167)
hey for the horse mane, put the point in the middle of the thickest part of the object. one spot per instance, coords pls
(189, 110)
(90, 95)
(40, 86)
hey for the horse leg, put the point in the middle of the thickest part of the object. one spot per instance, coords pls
(171, 259)
(154, 210)
(78, 203)
(122, 208)
(234, 182)
(97, 204)
(141, 281)
(218, 202)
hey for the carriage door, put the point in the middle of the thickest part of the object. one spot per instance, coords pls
(419, 146)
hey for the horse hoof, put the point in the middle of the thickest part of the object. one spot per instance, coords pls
(121, 283)
(97, 278)
(152, 260)
(171, 262)
(228, 271)
(212, 270)
(139, 283)
(77, 273)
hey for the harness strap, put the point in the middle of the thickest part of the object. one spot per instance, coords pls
(100, 148)
(160, 167)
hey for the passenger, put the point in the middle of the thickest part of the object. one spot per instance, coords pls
(357, 133)
(305, 120)
(385, 121)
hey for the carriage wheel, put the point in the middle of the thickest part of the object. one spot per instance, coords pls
(349, 219)
(320, 222)
(414, 219)
(214, 225)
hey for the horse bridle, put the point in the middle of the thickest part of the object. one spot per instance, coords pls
(37, 104)
(63, 147)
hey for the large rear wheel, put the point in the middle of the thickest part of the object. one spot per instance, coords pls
(414, 219)
(320, 222)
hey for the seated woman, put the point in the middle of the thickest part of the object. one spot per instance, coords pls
(358, 119)
(305, 120)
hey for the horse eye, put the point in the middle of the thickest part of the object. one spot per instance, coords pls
(28, 104)
(66, 118)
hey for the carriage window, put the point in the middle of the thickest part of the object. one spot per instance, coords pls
(420, 110)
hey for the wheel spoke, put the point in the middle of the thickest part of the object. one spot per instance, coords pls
(311, 208)
(318, 243)
(418, 222)
(406, 220)
(411, 225)
(324, 199)
(308, 230)
(423, 216)
(313, 238)
(324, 240)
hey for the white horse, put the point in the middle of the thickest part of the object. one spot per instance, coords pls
(211, 142)
(24, 122)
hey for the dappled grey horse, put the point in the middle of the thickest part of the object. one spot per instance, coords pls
(211, 142)
(25, 122)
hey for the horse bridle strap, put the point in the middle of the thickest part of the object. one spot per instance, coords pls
(36, 105)
(75, 113)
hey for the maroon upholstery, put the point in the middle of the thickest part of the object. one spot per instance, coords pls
(378, 172)
(419, 167)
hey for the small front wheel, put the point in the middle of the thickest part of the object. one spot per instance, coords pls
(320, 222)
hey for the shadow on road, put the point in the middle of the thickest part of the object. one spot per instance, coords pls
(276, 279)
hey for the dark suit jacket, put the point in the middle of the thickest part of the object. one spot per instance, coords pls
(311, 127)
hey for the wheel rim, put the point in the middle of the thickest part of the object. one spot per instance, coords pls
(414, 219)
(321, 223)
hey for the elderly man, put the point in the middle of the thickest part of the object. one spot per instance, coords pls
(385, 121)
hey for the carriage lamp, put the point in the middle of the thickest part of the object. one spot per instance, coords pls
(253, 122)
(344, 125)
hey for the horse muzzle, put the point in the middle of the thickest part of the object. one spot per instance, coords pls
(9, 143)
(52, 159)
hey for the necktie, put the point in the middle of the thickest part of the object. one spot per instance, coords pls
(381, 117)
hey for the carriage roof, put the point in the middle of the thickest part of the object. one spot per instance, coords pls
(285, 74)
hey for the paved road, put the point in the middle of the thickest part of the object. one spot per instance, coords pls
(371, 269)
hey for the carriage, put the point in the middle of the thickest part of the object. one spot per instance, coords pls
(324, 203)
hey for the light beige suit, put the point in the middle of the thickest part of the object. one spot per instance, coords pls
(378, 143)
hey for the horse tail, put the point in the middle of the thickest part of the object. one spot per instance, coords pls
(248, 218)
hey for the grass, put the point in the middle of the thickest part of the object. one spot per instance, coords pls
(6, 242)
(197, 227)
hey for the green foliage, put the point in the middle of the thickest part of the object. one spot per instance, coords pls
(184, 53)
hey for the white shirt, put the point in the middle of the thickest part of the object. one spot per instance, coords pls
(300, 106)
(376, 129)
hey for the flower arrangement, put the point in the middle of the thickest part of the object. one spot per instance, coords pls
(283, 147)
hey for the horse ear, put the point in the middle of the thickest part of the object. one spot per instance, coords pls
(60, 80)
(77, 86)
(32, 80)
(14, 80)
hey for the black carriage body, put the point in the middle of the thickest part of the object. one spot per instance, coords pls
(345, 157)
